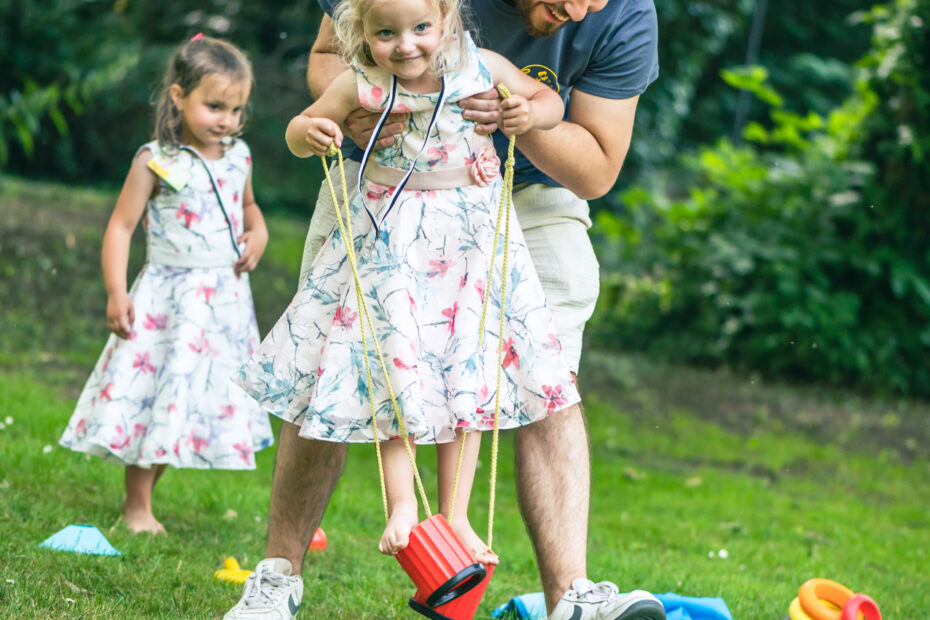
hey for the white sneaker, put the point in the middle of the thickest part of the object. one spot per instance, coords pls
(602, 601)
(270, 593)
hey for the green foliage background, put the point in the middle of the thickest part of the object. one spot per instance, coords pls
(790, 239)
(801, 251)
(79, 77)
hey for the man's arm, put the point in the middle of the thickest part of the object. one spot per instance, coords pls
(586, 152)
(325, 62)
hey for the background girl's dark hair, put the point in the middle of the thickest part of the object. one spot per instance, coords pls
(190, 63)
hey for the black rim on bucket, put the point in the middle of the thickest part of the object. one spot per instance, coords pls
(429, 612)
(457, 585)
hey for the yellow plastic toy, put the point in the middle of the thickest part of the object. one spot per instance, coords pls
(231, 572)
(796, 612)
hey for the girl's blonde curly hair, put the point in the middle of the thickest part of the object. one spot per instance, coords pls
(349, 21)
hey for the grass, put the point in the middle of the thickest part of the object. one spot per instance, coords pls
(792, 481)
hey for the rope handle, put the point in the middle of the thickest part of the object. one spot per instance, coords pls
(505, 205)
(506, 201)
(345, 229)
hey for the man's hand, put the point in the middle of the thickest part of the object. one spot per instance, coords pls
(484, 109)
(360, 123)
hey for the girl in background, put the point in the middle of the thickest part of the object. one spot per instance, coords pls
(160, 393)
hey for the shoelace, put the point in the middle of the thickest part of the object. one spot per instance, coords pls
(591, 592)
(254, 593)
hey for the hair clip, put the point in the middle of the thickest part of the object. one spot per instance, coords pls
(199, 35)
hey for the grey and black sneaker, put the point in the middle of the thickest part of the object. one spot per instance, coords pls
(270, 593)
(603, 601)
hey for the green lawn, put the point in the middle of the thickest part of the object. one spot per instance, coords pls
(793, 482)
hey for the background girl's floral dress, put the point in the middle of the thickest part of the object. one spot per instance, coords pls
(423, 265)
(164, 396)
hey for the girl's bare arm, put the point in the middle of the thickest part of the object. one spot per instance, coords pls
(254, 233)
(137, 188)
(532, 104)
(314, 129)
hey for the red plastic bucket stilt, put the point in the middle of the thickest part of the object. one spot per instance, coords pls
(439, 563)
(462, 608)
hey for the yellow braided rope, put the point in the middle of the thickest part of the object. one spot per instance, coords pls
(345, 229)
(455, 481)
(506, 199)
(504, 207)
(346, 232)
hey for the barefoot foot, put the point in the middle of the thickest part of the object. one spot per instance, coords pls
(482, 552)
(139, 521)
(397, 531)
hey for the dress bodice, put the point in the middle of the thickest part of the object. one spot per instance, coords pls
(186, 224)
(452, 143)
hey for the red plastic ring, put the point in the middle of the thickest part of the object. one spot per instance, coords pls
(861, 604)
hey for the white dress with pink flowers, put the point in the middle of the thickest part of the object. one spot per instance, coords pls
(164, 395)
(423, 258)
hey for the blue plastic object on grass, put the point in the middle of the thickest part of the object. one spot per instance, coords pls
(526, 607)
(80, 539)
(677, 607)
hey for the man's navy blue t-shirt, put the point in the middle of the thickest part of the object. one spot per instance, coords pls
(611, 53)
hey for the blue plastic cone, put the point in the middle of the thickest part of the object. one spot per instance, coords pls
(80, 539)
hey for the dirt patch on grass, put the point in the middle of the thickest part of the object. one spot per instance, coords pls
(743, 404)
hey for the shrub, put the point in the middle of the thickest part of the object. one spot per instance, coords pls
(801, 252)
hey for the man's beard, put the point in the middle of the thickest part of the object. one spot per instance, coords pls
(546, 30)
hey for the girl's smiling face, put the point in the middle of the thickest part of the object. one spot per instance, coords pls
(404, 36)
(211, 112)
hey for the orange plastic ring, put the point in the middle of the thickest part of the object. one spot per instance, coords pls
(817, 594)
(795, 612)
(861, 604)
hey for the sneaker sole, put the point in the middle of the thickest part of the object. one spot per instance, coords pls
(641, 610)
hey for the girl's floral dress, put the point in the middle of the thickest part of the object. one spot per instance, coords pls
(423, 265)
(164, 396)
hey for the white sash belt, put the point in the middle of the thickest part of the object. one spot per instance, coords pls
(443, 178)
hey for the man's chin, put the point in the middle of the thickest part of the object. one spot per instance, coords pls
(542, 30)
(535, 27)
(542, 33)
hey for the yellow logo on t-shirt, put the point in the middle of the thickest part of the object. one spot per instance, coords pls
(544, 74)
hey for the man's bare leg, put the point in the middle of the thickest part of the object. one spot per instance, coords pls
(553, 468)
(305, 474)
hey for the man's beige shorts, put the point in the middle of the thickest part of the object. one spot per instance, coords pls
(555, 223)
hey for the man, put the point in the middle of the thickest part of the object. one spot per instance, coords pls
(600, 55)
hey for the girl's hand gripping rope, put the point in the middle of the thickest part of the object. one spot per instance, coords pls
(312, 135)
(321, 134)
(516, 113)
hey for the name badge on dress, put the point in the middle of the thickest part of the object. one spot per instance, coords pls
(175, 173)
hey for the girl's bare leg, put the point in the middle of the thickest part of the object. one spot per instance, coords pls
(401, 496)
(137, 509)
(159, 470)
(447, 455)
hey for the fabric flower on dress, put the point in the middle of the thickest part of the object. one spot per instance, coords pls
(486, 166)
